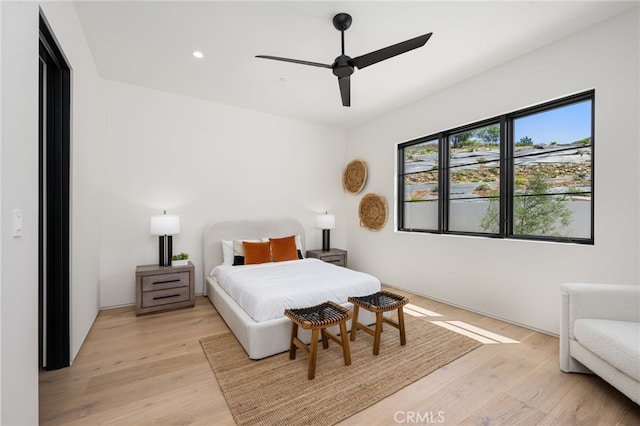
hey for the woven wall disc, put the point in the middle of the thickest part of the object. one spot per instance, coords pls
(373, 212)
(354, 176)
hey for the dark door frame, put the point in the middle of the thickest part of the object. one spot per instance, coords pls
(54, 201)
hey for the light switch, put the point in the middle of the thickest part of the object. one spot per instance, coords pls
(17, 222)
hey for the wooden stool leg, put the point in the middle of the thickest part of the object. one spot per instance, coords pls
(354, 322)
(325, 340)
(294, 335)
(403, 338)
(345, 343)
(313, 354)
(378, 332)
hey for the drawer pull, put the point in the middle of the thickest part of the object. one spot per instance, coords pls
(166, 282)
(166, 297)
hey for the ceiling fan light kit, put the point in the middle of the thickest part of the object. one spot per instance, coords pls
(343, 66)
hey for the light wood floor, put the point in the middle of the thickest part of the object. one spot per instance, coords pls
(151, 370)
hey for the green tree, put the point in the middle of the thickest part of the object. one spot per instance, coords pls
(490, 135)
(525, 141)
(534, 212)
(459, 139)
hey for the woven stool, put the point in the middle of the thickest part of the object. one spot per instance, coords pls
(379, 303)
(317, 319)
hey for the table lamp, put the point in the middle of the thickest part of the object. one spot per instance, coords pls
(165, 226)
(326, 222)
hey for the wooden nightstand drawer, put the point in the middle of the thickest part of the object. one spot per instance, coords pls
(336, 260)
(164, 297)
(162, 282)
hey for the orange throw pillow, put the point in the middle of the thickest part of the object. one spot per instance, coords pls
(256, 252)
(284, 248)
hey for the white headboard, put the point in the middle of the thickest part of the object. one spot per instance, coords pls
(243, 230)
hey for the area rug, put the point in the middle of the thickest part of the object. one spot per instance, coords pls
(276, 391)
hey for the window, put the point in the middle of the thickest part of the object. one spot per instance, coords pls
(527, 174)
(474, 176)
(421, 185)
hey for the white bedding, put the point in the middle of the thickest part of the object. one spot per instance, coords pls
(265, 290)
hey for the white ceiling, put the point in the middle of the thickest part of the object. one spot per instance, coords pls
(150, 44)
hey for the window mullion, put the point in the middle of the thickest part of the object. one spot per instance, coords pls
(443, 183)
(506, 177)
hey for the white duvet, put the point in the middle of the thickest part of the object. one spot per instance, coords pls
(265, 290)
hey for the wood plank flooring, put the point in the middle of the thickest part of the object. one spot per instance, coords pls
(151, 370)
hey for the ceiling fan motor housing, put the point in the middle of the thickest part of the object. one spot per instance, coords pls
(342, 67)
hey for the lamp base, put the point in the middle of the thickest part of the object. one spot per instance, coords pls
(165, 249)
(326, 239)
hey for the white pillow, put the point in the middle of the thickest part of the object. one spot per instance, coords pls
(299, 246)
(227, 252)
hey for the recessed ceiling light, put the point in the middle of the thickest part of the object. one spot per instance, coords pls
(198, 54)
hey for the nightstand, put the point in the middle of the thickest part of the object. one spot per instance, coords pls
(334, 255)
(164, 288)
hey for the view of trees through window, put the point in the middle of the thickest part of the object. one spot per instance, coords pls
(474, 177)
(422, 185)
(454, 182)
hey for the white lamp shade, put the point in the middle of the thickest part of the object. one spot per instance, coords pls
(166, 224)
(326, 221)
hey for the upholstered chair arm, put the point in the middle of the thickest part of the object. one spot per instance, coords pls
(595, 301)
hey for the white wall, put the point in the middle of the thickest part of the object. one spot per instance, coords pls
(19, 180)
(207, 163)
(516, 280)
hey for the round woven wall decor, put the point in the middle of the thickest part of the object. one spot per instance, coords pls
(373, 212)
(354, 176)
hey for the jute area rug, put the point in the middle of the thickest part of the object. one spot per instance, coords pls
(276, 391)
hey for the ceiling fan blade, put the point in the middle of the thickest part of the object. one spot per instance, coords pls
(295, 61)
(345, 90)
(390, 51)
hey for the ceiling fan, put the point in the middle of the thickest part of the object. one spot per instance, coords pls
(343, 65)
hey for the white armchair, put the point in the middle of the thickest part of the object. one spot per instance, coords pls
(600, 333)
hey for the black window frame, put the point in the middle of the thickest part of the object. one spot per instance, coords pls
(506, 173)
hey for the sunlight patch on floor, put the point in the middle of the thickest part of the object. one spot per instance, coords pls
(479, 338)
(417, 311)
(481, 335)
(482, 332)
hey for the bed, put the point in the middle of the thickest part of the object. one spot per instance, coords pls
(266, 332)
